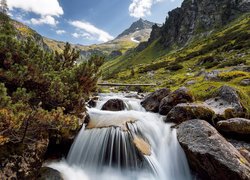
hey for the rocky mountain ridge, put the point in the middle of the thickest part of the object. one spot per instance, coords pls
(196, 18)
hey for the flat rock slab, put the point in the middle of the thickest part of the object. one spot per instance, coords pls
(210, 154)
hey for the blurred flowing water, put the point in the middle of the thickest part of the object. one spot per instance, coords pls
(126, 145)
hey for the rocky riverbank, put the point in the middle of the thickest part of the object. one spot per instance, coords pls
(214, 134)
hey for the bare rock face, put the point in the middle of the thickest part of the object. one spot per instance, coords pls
(152, 101)
(199, 16)
(209, 154)
(188, 111)
(235, 125)
(114, 105)
(226, 104)
(181, 95)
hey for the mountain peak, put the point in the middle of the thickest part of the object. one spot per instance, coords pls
(138, 25)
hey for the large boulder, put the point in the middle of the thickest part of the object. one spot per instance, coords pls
(235, 125)
(181, 95)
(226, 104)
(187, 111)
(152, 101)
(209, 154)
(114, 105)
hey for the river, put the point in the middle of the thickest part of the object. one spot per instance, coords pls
(125, 145)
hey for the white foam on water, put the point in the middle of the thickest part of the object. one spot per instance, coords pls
(109, 153)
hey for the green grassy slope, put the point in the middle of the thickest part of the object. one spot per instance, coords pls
(222, 50)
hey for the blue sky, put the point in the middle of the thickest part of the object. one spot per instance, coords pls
(87, 21)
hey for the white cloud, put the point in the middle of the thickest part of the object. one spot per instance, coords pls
(44, 20)
(40, 7)
(60, 32)
(47, 9)
(141, 8)
(83, 35)
(90, 31)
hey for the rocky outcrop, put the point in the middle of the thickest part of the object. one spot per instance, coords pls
(181, 95)
(209, 154)
(226, 103)
(152, 101)
(235, 125)
(188, 111)
(114, 105)
(198, 17)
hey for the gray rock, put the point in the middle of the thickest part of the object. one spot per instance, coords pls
(235, 125)
(213, 75)
(152, 101)
(187, 111)
(47, 173)
(189, 83)
(226, 103)
(181, 95)
(209, 154)
(114, 105)
(245, 82)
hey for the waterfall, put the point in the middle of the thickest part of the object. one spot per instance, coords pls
(130, 144)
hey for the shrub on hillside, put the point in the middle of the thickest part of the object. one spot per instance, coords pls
(45, 88)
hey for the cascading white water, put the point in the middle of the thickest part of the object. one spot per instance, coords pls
(130, 144)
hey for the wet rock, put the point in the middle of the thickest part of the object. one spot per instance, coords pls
(226, 104)
(188, 111)
(181, 95)
(152, 101)
(242, 146)
(92, 102)
(209, 154)
(235, 125)
(47, 173)
(245, 82)
(114, 105)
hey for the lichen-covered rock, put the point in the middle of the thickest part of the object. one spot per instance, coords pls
(152, 101)
(187, 111)
(114, 105)
(181, 95)
(47, 173)
(209, 154)
(235, 125)
(226, 103)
